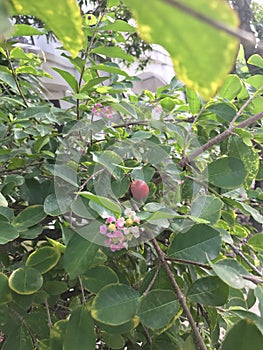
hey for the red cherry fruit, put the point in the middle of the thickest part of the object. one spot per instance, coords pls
(139, 189)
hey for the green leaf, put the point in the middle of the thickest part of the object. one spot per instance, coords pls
(29, 217)
(53, 205)
(113, 52)
(68, 77)
(226, 172)
(198, 243)
(230, 271)
(167, 104)
(158, 308)
(242, 336)
(113, 341)
(26, 30)
(208, 291)
(104, 202)
(43, 259)
(231, 87)
(115, 304)
(5, 24)
(120, 26)
(64, 20)
(110, 69)
(98, 277)
(5, 292)
(19, 338)
(25, 281)
(202, 54)
(55, 287)
(193, 100)
(79, 256)
(110, 160)
(57, 334)
(80, 331)
(7, 79)
(3, 201)
(8, 233)
(248, 155)
(256, 242)
(223, 111)
(207, 208)
(256, 60)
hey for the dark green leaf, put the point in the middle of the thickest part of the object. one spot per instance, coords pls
(8, 233)
(98, 277)
(43, 259)
(25, 281)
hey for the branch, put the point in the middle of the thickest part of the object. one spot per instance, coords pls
(197, 337)
(219, 138)
(15, 77)
(237, 33)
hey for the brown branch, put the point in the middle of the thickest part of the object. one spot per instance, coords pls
(237, 251)
(237, 33)
(219, 138)
(15, 77)
(181, 297)
(152, 281)
(49, 321)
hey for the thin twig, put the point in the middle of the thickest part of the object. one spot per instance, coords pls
(49, 321)
(15, 77)
(239, 252)
(152, 281)
(181, 297)
(219, 138)
(237, 33)
(82, 290)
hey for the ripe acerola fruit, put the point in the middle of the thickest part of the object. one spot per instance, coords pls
(139, 189)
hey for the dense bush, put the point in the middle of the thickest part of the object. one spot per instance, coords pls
(84, 264)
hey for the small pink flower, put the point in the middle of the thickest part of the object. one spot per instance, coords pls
(115, 247)
(103, 229)
(129, 212)
(108, 242)
(135, 231)
(110, 219)
(98, 105)
(115, 234)
(120, 223)
(136, 219)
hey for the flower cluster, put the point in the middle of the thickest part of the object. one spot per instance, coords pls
(120, 232)
(99, 111)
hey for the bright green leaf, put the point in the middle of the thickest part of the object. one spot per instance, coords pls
(256, 242)
(231, 87)
(64, 20)
(256, 60)
(104, 202)
(207, 208)
(26, 30)
(113, 52)
(202, 54)
(68, 77)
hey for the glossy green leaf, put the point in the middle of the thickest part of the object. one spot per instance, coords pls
(196, 244)
(53, 206)
(207, 208)
(104, 202)
(5, 292)
(208, 291)
(64, 20)
(110, 160)
(256, 60)
(243, 335)
(248, 155)
(231, 272)
(80, 331)
(158, 308)
(202, 55)
(120, 26)
(68, 77)
(223, 111)
(8, 233)
(43, 259)
(115, 304)
(113, 52)
(256, 242)
(29, 217)
(231, 87)
(110, 69)
(26, 30)
(25, 281)
(193, 100)
(120, 329)
(167, 103)
(227, 172)
(98, 277)
(79, 256)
